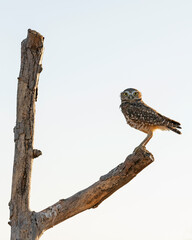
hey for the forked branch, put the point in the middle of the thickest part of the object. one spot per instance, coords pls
(28, 225)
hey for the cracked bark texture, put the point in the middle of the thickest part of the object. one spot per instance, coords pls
(30, 225)
(20, 215)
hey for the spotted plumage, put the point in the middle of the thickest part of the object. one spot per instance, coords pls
(143, 117)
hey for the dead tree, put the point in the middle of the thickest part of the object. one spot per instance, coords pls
(30, 225)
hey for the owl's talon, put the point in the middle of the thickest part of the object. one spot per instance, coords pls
(140, 147)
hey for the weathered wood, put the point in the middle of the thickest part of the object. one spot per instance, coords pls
(92, 196)
(31, 56)
(30, 225)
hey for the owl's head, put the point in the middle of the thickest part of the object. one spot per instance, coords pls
(130, 95)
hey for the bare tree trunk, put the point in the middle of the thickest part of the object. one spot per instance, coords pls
(30, 225)
(20, 215)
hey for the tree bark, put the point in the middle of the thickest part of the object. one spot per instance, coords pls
(92, 196)
(20, 215)
(30, 225)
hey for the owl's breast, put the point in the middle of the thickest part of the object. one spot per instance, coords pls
(135, 118)
(134, 123)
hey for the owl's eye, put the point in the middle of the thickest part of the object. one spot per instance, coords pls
(135, 94)
(125, 93)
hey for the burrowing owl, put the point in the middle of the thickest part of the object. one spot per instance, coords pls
(142, 117)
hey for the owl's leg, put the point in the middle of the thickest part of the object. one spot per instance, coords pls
(145, 141)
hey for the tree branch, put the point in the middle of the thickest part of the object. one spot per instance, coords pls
(92, 196)
(31, 56)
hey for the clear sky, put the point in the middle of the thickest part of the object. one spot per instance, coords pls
(93, 51)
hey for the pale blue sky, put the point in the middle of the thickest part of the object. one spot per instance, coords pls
(93, 51)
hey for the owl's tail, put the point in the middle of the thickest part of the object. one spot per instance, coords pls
(173, 126)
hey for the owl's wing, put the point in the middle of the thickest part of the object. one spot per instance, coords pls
(141, 113)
